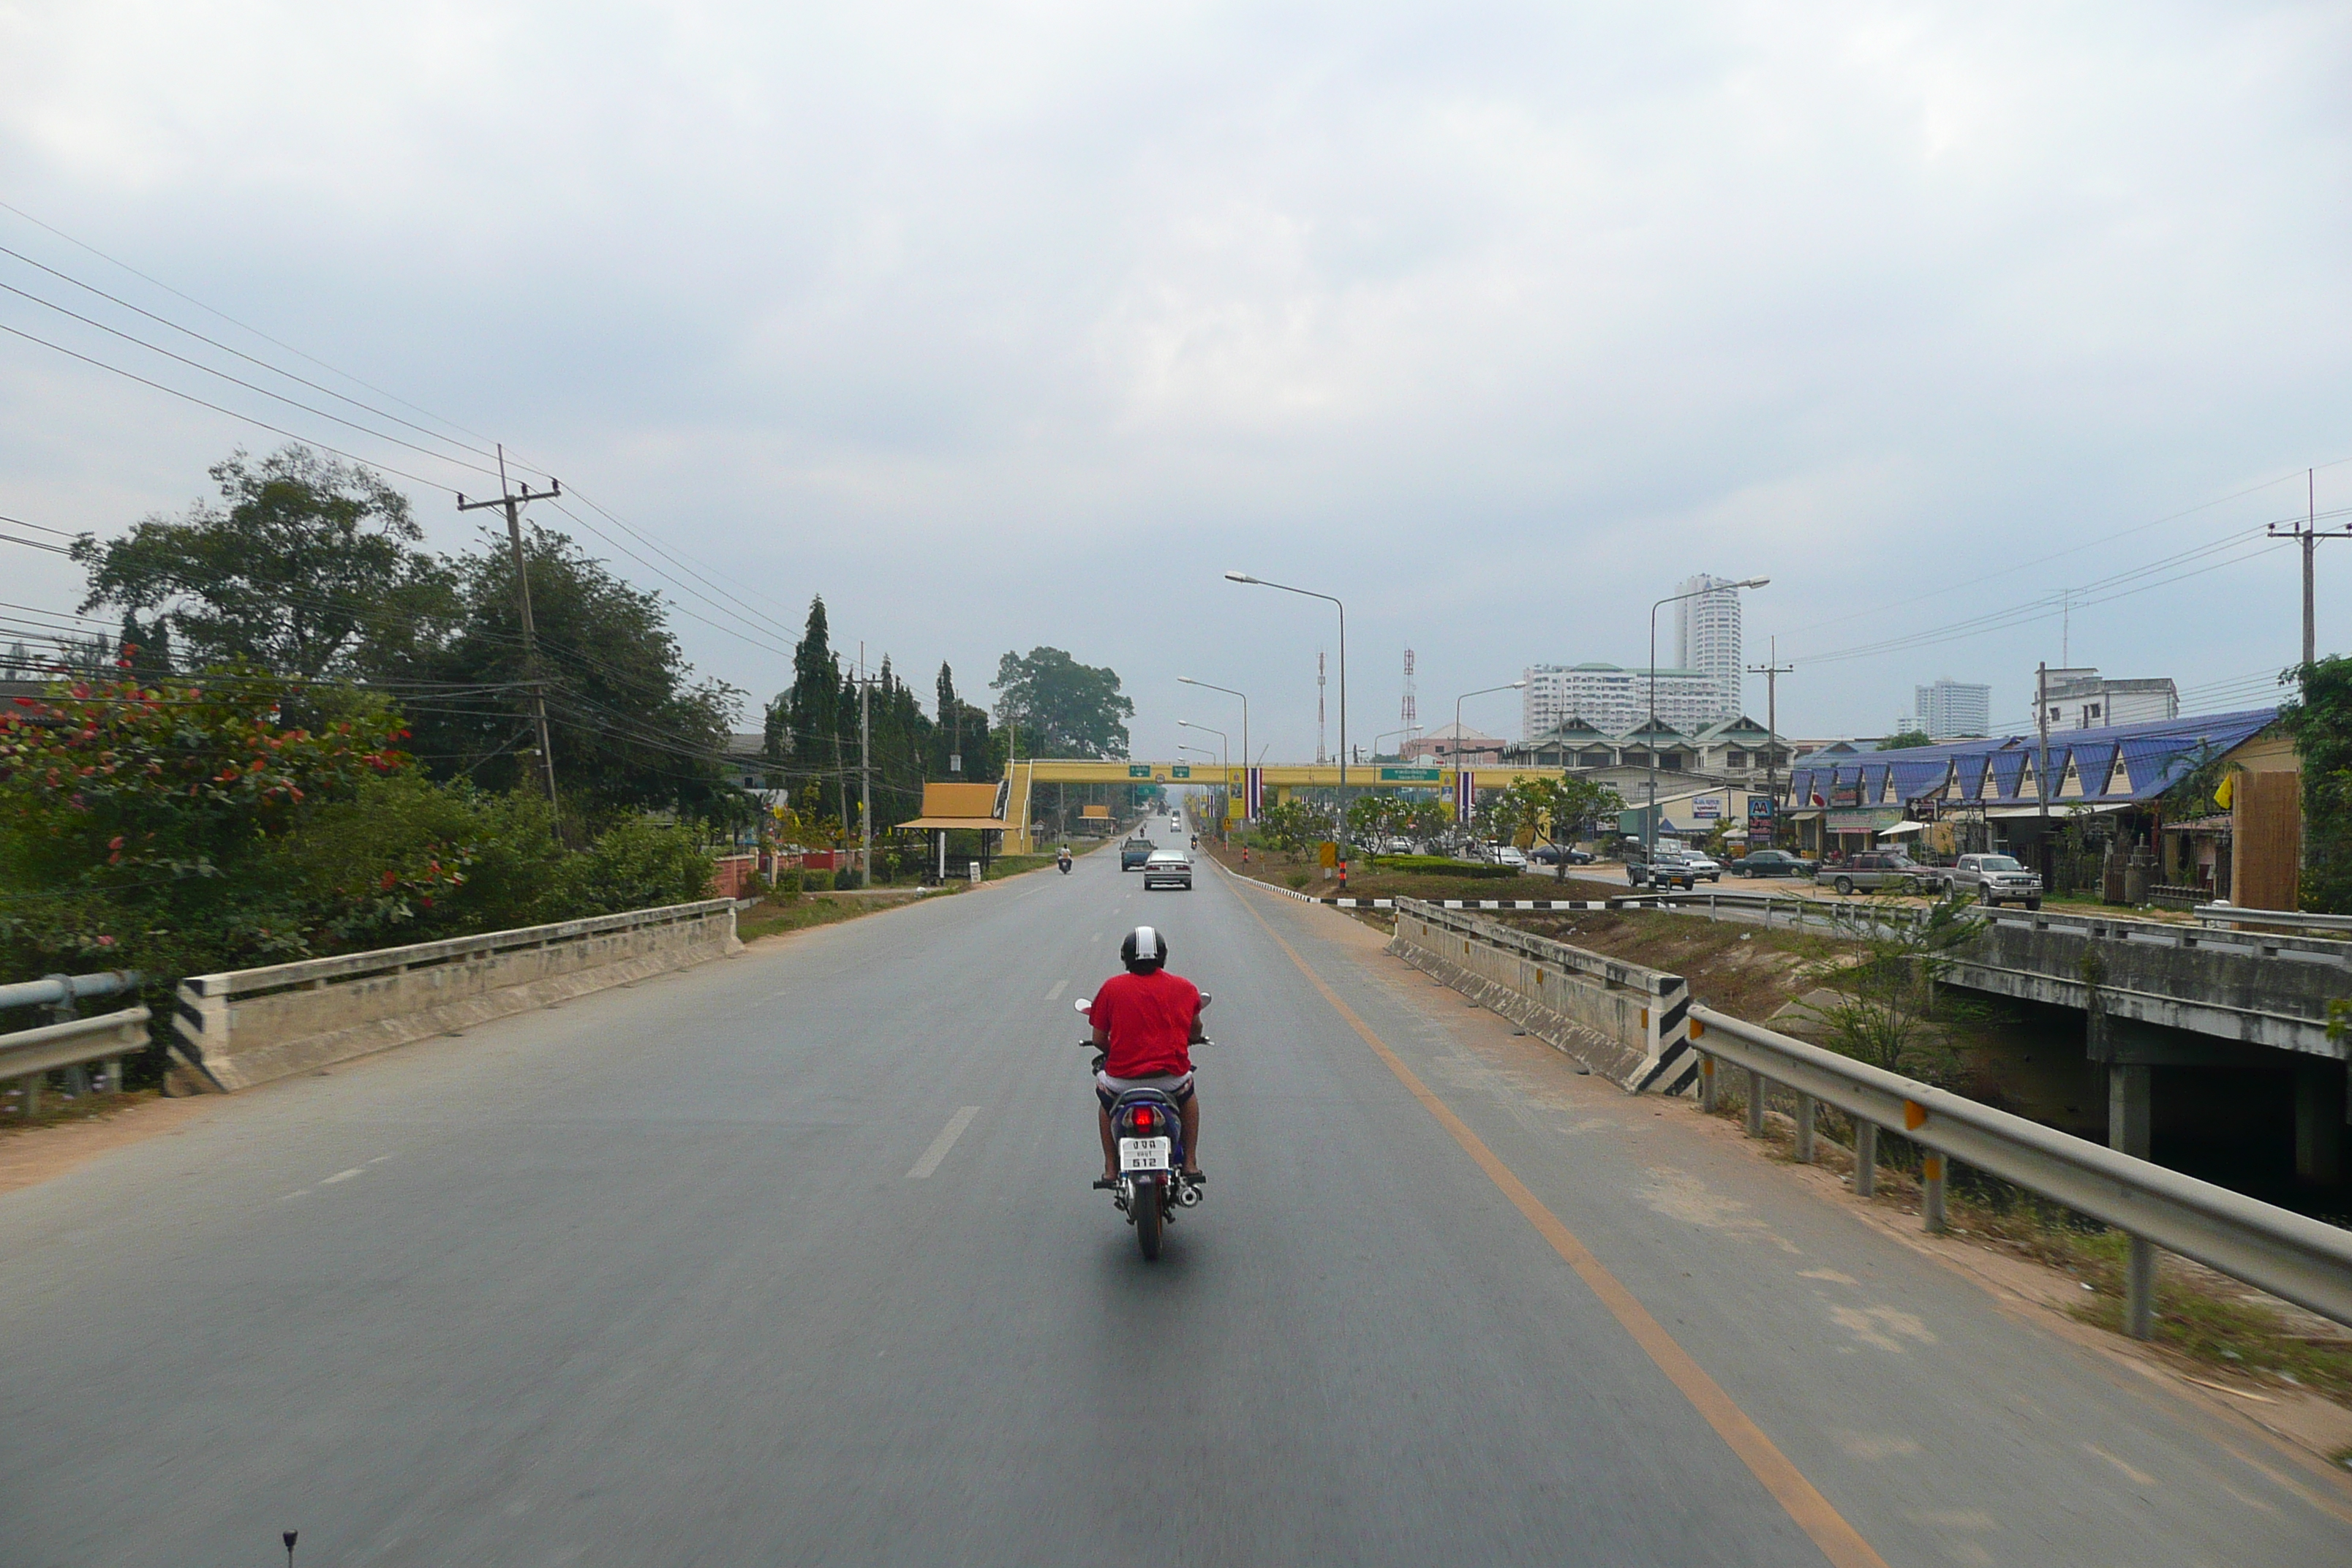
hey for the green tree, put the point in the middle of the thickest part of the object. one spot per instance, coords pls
(2320, 721)
(308, 567)
(631, 728)
(1908, 740)
(1565, 809)
(1062, 708)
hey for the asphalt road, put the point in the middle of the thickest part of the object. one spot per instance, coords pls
(693, 1273)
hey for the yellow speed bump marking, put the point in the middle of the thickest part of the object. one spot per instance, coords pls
(1803, 1502)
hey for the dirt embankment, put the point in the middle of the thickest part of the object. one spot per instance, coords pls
(1750, 972)
(1306, 877)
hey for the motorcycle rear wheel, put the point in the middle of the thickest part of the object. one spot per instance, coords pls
(1145, 1207)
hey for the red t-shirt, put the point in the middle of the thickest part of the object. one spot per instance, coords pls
(1151, 1019)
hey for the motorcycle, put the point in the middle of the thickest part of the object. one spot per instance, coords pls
(1065, 862)
(1149, 1128)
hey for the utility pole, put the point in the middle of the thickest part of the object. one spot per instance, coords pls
(1772, 669)
(2310, 536)
(865, 765)
(512, 503)
(2042, 760)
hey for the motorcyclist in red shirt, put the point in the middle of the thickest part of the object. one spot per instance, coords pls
(1146, 1021)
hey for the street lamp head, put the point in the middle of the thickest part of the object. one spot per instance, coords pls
(1752, 583)
(1183, 724)
(1186, 680)
(1516, 686)
(1239, 577)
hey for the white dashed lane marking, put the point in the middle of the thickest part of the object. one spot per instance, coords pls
(943, 1143)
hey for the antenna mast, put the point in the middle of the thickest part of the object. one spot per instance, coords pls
(1319, 757)
(1407, 718)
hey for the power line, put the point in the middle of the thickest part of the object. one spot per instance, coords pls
(249, 359)
(239, 381)
(218, 408)
(232, 321)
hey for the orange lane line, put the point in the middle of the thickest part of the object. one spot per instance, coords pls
(1839, 1542)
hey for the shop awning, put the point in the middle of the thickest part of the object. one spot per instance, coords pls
(2059, 810)
(1901, 829)
(983, 824)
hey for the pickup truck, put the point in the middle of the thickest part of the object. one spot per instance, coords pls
(1668, 869)
(1993, 880)
(1880, 870)
(1135, 853)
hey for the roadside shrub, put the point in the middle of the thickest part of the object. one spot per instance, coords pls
(1298, 880)
(788, 886)
(844, 879)
(636, 866)
(1439, 866)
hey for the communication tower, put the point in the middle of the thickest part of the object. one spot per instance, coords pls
(1407, 718)
(1320, 758)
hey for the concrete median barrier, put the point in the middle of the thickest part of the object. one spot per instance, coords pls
(233, 1031)
(1629, 1024)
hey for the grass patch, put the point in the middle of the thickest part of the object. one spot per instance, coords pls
(58, 1107)
(816, 910)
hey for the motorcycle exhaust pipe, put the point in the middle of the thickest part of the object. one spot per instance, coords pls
(1187, 1195)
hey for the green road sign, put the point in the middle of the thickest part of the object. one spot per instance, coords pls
(1181, 771)
(1410, 775)
(1139, 770)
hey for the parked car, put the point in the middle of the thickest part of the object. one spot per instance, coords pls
(1134, 853)
(1881, 870)
(1993, 880)
(1167, 868)
(1666, 870)
(1703, 865)
(1553, 854)
(1774, 863)
(1503, 855)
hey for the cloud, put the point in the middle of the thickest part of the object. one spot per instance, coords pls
(1013, 324)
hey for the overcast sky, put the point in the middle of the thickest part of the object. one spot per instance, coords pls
(1009, 324)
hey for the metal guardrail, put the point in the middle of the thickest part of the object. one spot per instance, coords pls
(30, 1055)
(2289, 1255)
(2289, 919)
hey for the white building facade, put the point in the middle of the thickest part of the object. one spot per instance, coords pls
(1953, 709)
(1613, 699)
(1706, 639)
(2083, 700)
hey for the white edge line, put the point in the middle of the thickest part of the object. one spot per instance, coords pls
(943, 1143)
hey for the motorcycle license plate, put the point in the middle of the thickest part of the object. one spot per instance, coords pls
(1143, 1153)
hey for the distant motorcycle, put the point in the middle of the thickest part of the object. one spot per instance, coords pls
(1149, 1128)
(1065, 862)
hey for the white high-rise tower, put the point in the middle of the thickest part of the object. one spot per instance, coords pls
(1706, 637)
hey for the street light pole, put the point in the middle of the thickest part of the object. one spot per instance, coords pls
(1506, 686)
(1310, 593)
(1226, 765)
(1649, 816)
(1205, 686)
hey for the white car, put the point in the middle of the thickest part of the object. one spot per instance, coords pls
(1168, 868)
(1507, 855)
(1703, 866)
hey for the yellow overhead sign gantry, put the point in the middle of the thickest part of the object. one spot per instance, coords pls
(1027, 773)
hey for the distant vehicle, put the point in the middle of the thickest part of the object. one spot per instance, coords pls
(1706, 866)
(1134, 853)
(1666, 870)
(1395, 846)
(1504, 854)
(1167, 868)
(1553, 854)
(1774, 863)
(1880, 870)
(1994, 879)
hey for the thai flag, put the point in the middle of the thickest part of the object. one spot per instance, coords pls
(1466, 793)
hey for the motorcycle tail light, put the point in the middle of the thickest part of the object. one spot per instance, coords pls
(1143, 1116)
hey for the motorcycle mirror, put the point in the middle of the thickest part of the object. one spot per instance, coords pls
(1084, 1004)
(1206, 998)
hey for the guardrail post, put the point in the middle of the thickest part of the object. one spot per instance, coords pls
(2139, 1289)
(114, 1075)
(1865, 1158)
(1755, 1103)
(1706, 1095)
(33, 1084)
(1804, 1129)
(1931, 1194)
